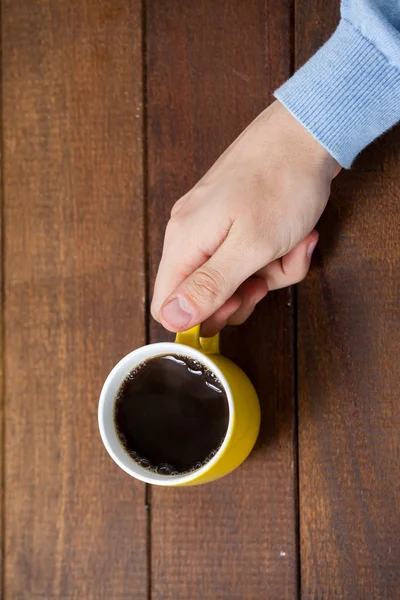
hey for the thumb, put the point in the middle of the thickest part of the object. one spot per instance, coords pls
(207, 288)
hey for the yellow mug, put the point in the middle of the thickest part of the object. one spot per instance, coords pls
(244, 409)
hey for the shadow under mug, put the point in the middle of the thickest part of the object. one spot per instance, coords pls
(244, 409)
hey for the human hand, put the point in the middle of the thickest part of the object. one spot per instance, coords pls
(246, 228)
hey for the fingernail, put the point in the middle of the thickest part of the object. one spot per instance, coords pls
(176, 313)
(311, 248)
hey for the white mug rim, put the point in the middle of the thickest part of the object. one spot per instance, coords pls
(105, 415)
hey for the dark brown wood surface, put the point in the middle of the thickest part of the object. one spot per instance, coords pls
(206, 65)
(349, 373)
(74, 289)
(111, 110)
(2, 361)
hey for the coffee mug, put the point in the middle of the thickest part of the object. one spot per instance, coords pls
(244, 409)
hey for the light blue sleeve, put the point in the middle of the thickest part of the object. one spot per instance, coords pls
(348, 93)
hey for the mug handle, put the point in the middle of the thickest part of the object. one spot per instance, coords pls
(192, 338)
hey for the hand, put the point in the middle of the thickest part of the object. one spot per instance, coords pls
(246, 227)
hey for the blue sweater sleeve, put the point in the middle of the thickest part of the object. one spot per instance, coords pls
(348, 93)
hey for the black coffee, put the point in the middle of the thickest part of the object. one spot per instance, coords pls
(171, 414)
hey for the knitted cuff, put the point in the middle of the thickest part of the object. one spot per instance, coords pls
(346, 95)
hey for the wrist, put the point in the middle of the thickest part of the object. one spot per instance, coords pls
(301, 142)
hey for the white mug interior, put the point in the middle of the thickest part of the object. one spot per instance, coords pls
(107, 402)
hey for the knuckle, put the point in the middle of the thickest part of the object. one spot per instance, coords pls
(198, 193)
(206, 285)
(175, 220)
(177, 206)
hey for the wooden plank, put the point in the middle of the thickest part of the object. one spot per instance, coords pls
(2, 360)
(349, 410)
(75, 524)
(211, 68)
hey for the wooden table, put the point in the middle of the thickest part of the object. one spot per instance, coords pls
(111, 110)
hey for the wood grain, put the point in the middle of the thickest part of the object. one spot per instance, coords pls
(74, 293)
(2, 361)
(211, 68)
(349, 349)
